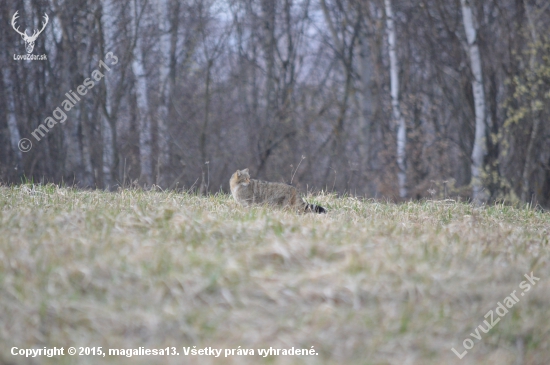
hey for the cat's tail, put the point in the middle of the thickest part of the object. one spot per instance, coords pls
(315, 208)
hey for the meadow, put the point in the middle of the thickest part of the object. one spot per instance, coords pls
(370, 282)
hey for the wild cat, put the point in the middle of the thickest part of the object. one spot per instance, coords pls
(247, 191)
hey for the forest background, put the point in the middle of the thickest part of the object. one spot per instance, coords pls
(387, 99)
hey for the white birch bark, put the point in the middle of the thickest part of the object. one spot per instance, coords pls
(13, 129)
(108, 133)
(165, 11)
(145, 150)
(480, 148)
(396, 108)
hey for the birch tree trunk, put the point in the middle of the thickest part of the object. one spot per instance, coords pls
(85, 125)
(168, 42)
(106, 117)
(144, 123)
(145, 150)
(396, 108)
(480, 147)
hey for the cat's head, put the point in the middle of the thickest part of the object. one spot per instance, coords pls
(242, 177)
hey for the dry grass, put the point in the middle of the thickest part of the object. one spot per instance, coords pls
(368, 283)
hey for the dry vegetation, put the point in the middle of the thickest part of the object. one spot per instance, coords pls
(368, 283)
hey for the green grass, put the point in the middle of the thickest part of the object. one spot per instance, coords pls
(367, 283)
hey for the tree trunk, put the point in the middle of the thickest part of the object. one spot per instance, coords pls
(268, 129)
(108, 153)
(527, 166)
(202, 141)
(366, 100)
(72, 164)
(396, 108)
(13, 129)
(480, 148)
(106, 116)
(144, 123)
(168, 42)
(73, 159)
(88, 180)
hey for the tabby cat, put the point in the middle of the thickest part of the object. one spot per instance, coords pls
(247, 191)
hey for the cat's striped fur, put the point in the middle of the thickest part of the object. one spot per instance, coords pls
(247, 191)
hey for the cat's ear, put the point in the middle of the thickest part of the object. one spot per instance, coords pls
(245, 170)
(238, 173)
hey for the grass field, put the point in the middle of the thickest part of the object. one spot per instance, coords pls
(368, 283)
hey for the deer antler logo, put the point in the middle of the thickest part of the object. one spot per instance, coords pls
(29, 40)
